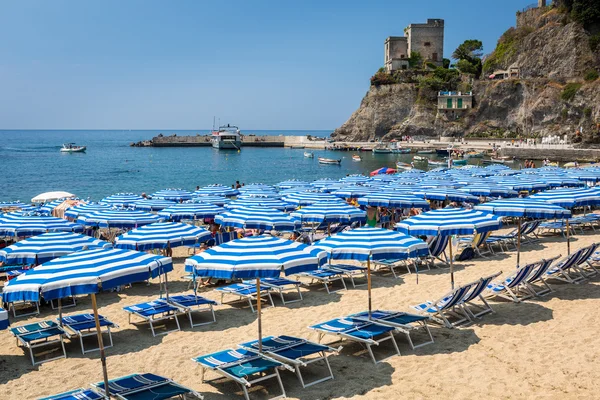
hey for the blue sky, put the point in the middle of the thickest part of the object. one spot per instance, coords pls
(147, 64)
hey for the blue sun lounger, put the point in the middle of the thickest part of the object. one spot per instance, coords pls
(403, 322)
(189, 303)
(392, 264)
(279, 285)
(351, 272)
(84, 325)
(77, 394)
(245, 367)
(366, 333)
(447, 307)
(537, 277)
(326, 277)
(468, 302)
(246, 291)
(513, 287)
(40, 334)
(563, 269)
(153, 312)
(295, 352)
(145, 387)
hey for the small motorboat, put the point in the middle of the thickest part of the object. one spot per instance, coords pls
(403, 165)
(309, 155)
(330, 161)
(402, 151)
(474, 154)
(432, 162)
(501, 160)
(459, 162)
(297, 147)
(382, 150)
(442, 152)
(429, 151)
(71, 148)
(419, 158)
(356, 157)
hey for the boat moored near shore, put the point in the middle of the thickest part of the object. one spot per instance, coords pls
(71, 148)
(227, 138)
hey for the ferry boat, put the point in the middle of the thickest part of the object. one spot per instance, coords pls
(71, 148)
(330, 161)
(227, 137)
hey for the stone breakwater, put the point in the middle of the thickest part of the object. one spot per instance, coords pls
(309, 142)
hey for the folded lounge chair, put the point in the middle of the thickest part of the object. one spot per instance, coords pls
(295, 352)
(403, 322)
(437, 250)
(279, 285)
(514, 286)
(326, 277)
(246, 291)
(566, 269)
(77, 394)
(366, 333)
(447, 307)
(351, 272)
(84, 325)
(468, 302)
(189, 303)
(145, 386)
(40, 334)
(153, 312)
(477, 242)
(245, 367)
(583, 264)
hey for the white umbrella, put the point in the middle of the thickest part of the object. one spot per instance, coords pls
(49, 196)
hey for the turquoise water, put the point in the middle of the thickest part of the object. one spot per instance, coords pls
(32, 164)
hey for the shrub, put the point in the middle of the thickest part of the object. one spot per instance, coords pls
(569, 91)
(382, 78)
(591, 75)
(564, 113)
(587, 112)
(594, 41)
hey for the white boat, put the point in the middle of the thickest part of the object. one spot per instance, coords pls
(309, 155)
(502, 160)
(403, 165)
(329, 161)
(71, 148)
(227, 137)
(432, 162)
(419, 158)
(356, 157)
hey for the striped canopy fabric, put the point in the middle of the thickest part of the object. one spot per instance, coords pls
(121, 199)
(355, 179)
(83, 209)
(330, 212)
(29, 224)
(261, 202)
(362, 243)
(85, 272)
(216, 190)
(172, 194)
(162, 235)
(256, 257)
(258, 193)
(48, 246)
(48, 207)
(216, 200)
(182, 211)
(152, 204)
(443, 194)
(450, 221)
(292, 183)
(484, 189)
(569, 198)
(308, 198)
(119, 218)
(393, 200)
(353, 192)
(526, 207)
(258, 218)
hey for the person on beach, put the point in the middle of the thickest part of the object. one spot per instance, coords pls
(237, 184)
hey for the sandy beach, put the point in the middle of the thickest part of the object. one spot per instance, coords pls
(542, 348)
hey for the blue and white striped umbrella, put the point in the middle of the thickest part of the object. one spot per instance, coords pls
(393, 200)
(257, 186)
(256, 257)
(85, 272)
(216, 200)
(121, 199)
(523, 184)
(152, 204)
(360, 243)
(258, 218)
(325, 182)
(296, 189)
(292, 183)
(48, 246)
(29, 224)
(569, 198)
(119, 218)
(83, 209)
(525, 207)
(308, 198)
(259, 193)
(442, 194)
(483, 189)
(162, 235)
(355, 179)
(261, 202)
(48, 207)
(13, 205)
(173, 195)
(216, 190)
(330, 212)
(449, 221)
(181, 211)
(353, 192)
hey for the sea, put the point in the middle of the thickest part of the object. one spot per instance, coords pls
(32, 163)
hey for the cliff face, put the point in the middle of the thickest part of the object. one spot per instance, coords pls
(552, 56)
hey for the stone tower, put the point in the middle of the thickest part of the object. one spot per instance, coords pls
(428, 40)
(541, 3)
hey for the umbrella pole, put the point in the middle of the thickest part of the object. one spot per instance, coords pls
(369, 283)
(166, 286)
(568, 239)
(451, 264)
(519, 242)
(258, 307)
(60, 322)
(100, 345)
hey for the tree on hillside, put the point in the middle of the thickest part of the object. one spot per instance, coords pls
(468, 56)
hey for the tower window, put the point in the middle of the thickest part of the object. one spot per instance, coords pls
(427, 44)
